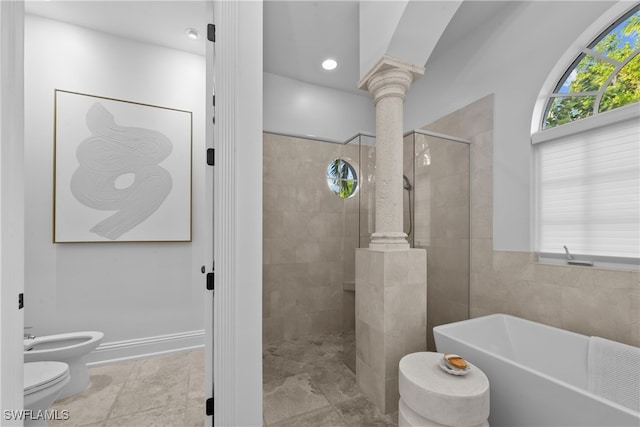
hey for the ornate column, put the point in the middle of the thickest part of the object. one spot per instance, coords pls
(391, 277)
(387, 82)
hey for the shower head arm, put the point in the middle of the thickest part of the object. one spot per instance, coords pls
(407, 184)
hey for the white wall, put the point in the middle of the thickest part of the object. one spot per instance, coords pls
(511, 56)
(304, 109)
(130, 291)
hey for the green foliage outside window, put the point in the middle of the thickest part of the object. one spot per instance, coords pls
(599, 84)
(342, 178)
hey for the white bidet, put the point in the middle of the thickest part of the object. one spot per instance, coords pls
(70, 348)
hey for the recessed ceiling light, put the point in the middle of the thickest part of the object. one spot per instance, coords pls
(329, 64)
(192, 33)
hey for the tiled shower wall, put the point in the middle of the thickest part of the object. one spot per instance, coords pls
(306, 233)
(441, 225)
(591, 301)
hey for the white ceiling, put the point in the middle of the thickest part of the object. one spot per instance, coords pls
(157, 22)
(298, 35)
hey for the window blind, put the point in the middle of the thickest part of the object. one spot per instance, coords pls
(588, 191)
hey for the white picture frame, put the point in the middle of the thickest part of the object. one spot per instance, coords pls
(122, 171)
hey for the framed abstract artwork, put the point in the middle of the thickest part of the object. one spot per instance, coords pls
(122, 171)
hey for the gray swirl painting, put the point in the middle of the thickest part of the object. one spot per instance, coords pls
(123, 171)
(110, 153)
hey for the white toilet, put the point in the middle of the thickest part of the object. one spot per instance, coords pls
(43, 382)
(70, 348)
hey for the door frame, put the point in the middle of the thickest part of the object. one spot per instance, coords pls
(237, 186)
(12, 257)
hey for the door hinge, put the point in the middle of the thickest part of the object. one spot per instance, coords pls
(211, 281)
(20, 301)
(209, 406)
(211, 32)
(211, 156)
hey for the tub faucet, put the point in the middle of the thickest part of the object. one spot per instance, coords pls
(28, 336)
(572, 261)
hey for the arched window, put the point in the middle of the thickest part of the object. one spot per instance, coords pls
(605, 76)
(587, 152)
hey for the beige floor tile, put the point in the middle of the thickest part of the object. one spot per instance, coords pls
(196, 389)
(305, 384)
(158, 417)
(291, 397)
(118, 372)
(322, 361)
(361, 412)
(195, 414)
(275, 367)
(325, 417)
(158, 391)
(336, 381)
(100, 424)
(163, 365)
(196, 359)
(91, 406)
(151, 392)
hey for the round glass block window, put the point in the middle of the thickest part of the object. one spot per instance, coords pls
(342, 178)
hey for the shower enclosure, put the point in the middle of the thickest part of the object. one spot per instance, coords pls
(359, 211)
(437, 219)
(436, 192)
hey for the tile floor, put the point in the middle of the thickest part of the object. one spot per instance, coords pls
(159, 391)
(306, 383)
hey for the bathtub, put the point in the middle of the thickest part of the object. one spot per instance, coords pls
(537, 373)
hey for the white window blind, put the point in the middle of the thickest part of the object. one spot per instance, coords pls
(588, 191)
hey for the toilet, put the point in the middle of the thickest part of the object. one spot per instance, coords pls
(70, 348)
(43, 382)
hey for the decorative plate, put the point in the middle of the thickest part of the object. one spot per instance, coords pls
(453, 371)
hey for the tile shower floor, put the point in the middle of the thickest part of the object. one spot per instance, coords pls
(305, 384)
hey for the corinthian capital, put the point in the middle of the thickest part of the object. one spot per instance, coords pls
(390, 77)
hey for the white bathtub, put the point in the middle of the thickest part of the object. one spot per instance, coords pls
(537, 373)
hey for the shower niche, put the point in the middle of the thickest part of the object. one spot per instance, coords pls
(436, 191)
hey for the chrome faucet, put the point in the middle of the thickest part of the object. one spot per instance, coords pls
(572, 261)
(28, 336)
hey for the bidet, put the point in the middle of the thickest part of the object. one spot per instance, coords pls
(70, 348)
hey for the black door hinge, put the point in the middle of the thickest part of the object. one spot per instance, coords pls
(20, 301)
(211, 156)
(211, 281)
(209, 406)
(211, 32)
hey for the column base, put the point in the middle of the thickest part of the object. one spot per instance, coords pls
(391, 313)
(389, 241)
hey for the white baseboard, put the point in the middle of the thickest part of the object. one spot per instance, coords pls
(117, 351)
